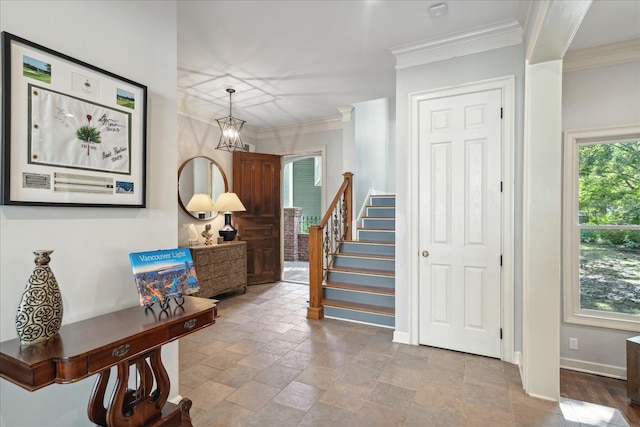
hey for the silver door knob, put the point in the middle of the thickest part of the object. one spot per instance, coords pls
(425, 253)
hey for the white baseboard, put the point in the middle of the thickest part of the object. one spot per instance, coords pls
(516, 357)
(401, 337)
(618, 372)
(176, 400)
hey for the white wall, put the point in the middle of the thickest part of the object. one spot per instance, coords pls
(289, 139)
(471, 68)
(598, 98)
(373, 166)
(136, 40)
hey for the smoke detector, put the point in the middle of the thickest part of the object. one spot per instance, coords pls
(438, 10)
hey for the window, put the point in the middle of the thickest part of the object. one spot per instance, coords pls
(602, 228)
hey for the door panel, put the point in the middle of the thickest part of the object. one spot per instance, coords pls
(460, 171)
(256, 181)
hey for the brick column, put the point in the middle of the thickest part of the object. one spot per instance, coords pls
(292, 223)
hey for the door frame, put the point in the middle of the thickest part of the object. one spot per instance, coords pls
(506, 85)
(298, 152)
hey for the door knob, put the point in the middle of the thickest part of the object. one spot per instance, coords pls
(425, 253)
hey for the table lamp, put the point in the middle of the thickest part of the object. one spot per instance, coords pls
(200, 203)
(227, 203)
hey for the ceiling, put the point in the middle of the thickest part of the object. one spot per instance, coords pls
(293, 62)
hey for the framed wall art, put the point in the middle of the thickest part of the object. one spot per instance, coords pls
(72, 133)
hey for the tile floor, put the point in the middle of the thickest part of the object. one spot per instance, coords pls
(264, 364)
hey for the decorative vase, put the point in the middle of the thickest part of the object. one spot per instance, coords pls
(39, 314)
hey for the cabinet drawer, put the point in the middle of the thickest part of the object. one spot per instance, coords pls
(239, 278)
(190, 325)
(125, 349)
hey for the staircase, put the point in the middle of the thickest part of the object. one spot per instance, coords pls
(360, 284)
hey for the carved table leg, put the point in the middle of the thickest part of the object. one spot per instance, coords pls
(142, 406)
(96, 409)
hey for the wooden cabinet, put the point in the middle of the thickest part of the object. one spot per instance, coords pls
(220, 268)
(126, 338)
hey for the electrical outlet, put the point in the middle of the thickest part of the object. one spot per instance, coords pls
(573, 343)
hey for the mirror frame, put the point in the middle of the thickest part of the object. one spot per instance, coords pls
(224, 177)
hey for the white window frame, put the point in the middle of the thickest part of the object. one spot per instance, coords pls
(571, 231)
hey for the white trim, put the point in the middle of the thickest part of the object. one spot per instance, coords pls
(611, 371)
(480, 39)
(517, 357)
(347, 113)
(312, 151)
(300, 129)
(602, 56)
(401, 337)
(570, 233)
(507, 86)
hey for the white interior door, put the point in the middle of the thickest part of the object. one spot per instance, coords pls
(460, 216)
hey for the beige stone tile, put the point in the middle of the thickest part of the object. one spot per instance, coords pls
(236, 376)
(224, 414)
(372, 360)
(318, 376)
(312, 347)
(372, 415)
(244, 347)
(212, 346)
(448, 359)
(222, 359)
(484, 375)
(472, 415)
(435, 396)
(277, 376)
(259, 360)
(276, 415)
(279, 347)
(340, 345)
(385, 346)
(413, 362)
(253, 395)
(264, 336)
(280, 327)
(486, 397)
(358, 375)
(195, 375)
(323, 415)
(209, 394)
(294, 335)
(401, 377)
(191, 358)
(439, 375)
(296, 360)
(346, 396)
(392, 396)
(333, 360)
(298, 396)
(420, 416)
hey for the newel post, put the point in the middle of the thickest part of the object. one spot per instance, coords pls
(348, 201)
(315, 309)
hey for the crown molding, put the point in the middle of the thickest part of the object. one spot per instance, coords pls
(602, 56)
(347, 113)
(300, 128)
(480, 39)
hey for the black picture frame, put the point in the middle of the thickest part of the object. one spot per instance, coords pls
(73, 134)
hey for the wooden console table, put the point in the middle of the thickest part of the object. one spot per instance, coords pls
(122, 338)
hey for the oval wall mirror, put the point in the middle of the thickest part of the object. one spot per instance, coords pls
(200, 175)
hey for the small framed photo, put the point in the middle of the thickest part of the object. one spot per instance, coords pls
(72, 133)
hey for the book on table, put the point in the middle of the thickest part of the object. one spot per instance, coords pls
(163, 274)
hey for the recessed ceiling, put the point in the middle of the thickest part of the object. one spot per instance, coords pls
(299, 61)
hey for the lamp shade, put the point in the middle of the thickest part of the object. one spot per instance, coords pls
(228, 202)
(200, 202)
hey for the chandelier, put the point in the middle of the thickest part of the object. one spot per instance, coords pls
(230, 130)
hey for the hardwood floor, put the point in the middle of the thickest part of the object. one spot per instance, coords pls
(600, 390)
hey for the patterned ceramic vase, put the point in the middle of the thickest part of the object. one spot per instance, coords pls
(39, 314)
